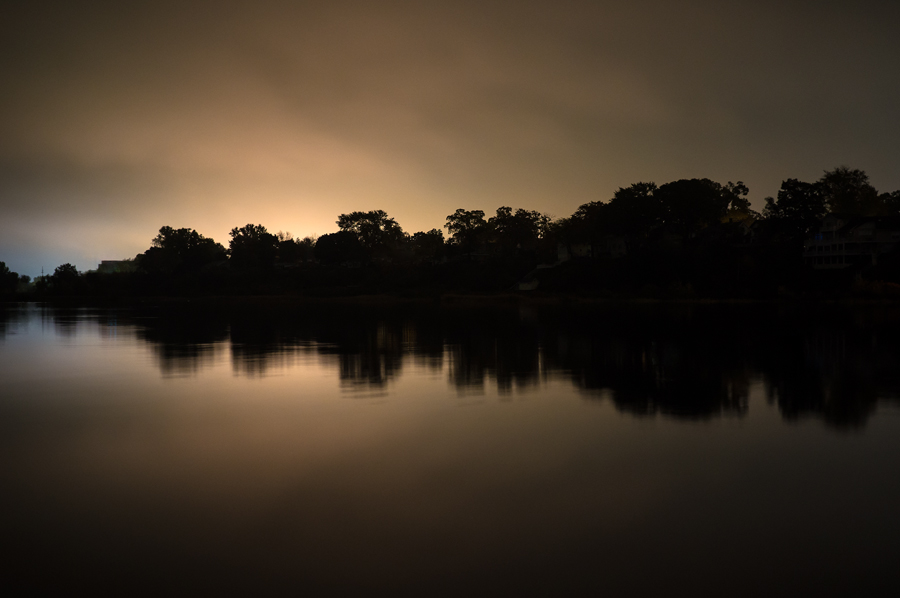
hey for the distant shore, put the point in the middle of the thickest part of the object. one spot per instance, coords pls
(446, 299)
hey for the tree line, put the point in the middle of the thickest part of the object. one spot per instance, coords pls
(690, 237)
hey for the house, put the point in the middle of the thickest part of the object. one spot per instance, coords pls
(608, 245)
(843, 241)
(112, 266)
(744, 221)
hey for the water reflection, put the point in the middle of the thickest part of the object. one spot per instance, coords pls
(675, 366)
(183, 342)
(209, 448)
(8, 315)
(836, 369)
(683, 361)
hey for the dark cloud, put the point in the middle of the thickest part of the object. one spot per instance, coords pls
(117, 118)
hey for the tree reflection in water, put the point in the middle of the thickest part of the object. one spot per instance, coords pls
(689, 361)
(184, 343)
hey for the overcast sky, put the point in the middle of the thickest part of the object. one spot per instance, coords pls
(117, 118)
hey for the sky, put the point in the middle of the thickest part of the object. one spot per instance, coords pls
(118, 118)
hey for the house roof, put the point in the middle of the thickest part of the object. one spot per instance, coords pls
(890, 223)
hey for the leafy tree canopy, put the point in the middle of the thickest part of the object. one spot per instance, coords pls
(686, 205)
(466, 228)
(375, 230)
(799, 205)
(633, 211)
(692, 204)
(66, 279)
(519, 230)
(335, 248)
(8, 279)
(66, 272)
(252, 246)
(174, 250)
(428, 245)
(891, 203)
(848, 192)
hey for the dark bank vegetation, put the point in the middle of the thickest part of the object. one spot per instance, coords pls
(687, 239)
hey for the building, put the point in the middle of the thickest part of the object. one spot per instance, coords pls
(843, 241)
(608, 245)
(112, 266)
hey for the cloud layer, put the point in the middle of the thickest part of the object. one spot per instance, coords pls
(118, 119)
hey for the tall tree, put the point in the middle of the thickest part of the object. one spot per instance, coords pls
(427, 245)
(180, 250)
(796, 211)
(306, 247)
(517, 231)
(466, 228)
(377, 233)
(692, 204)
(8, 280)
(66, 279)
(736, 194)
(848, 192)
(289, 249)
(634, 211)
(253, 247)
(891, 203)
(339, 247)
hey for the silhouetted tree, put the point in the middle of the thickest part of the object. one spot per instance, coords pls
(66, 271)
(335, 248)
(427, 246)
(378, 234)
(306, 247)
(890, 203)
(65, 280)
(253, 247)
(467, 229)
(634, 212)
(736, 194)
(294, 251)
(848, 192)
(519, 231)
(41, 284)
(797, 210)
(692, 204)
(288, 249)
(590, 222)
(178, 251)
(8, 280)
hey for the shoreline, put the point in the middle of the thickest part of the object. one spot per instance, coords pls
(442, 299)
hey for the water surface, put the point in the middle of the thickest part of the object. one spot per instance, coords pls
(422, 449)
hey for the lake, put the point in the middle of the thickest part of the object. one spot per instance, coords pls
(451, 449)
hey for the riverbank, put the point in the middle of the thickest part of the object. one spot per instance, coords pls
(470, 298)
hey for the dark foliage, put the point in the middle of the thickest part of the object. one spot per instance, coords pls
(691, 238)
(253, 247)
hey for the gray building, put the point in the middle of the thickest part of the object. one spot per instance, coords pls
(843, 241)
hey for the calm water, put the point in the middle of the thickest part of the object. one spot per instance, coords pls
(752, 450)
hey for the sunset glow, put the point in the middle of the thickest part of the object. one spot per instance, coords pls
(119, 119)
